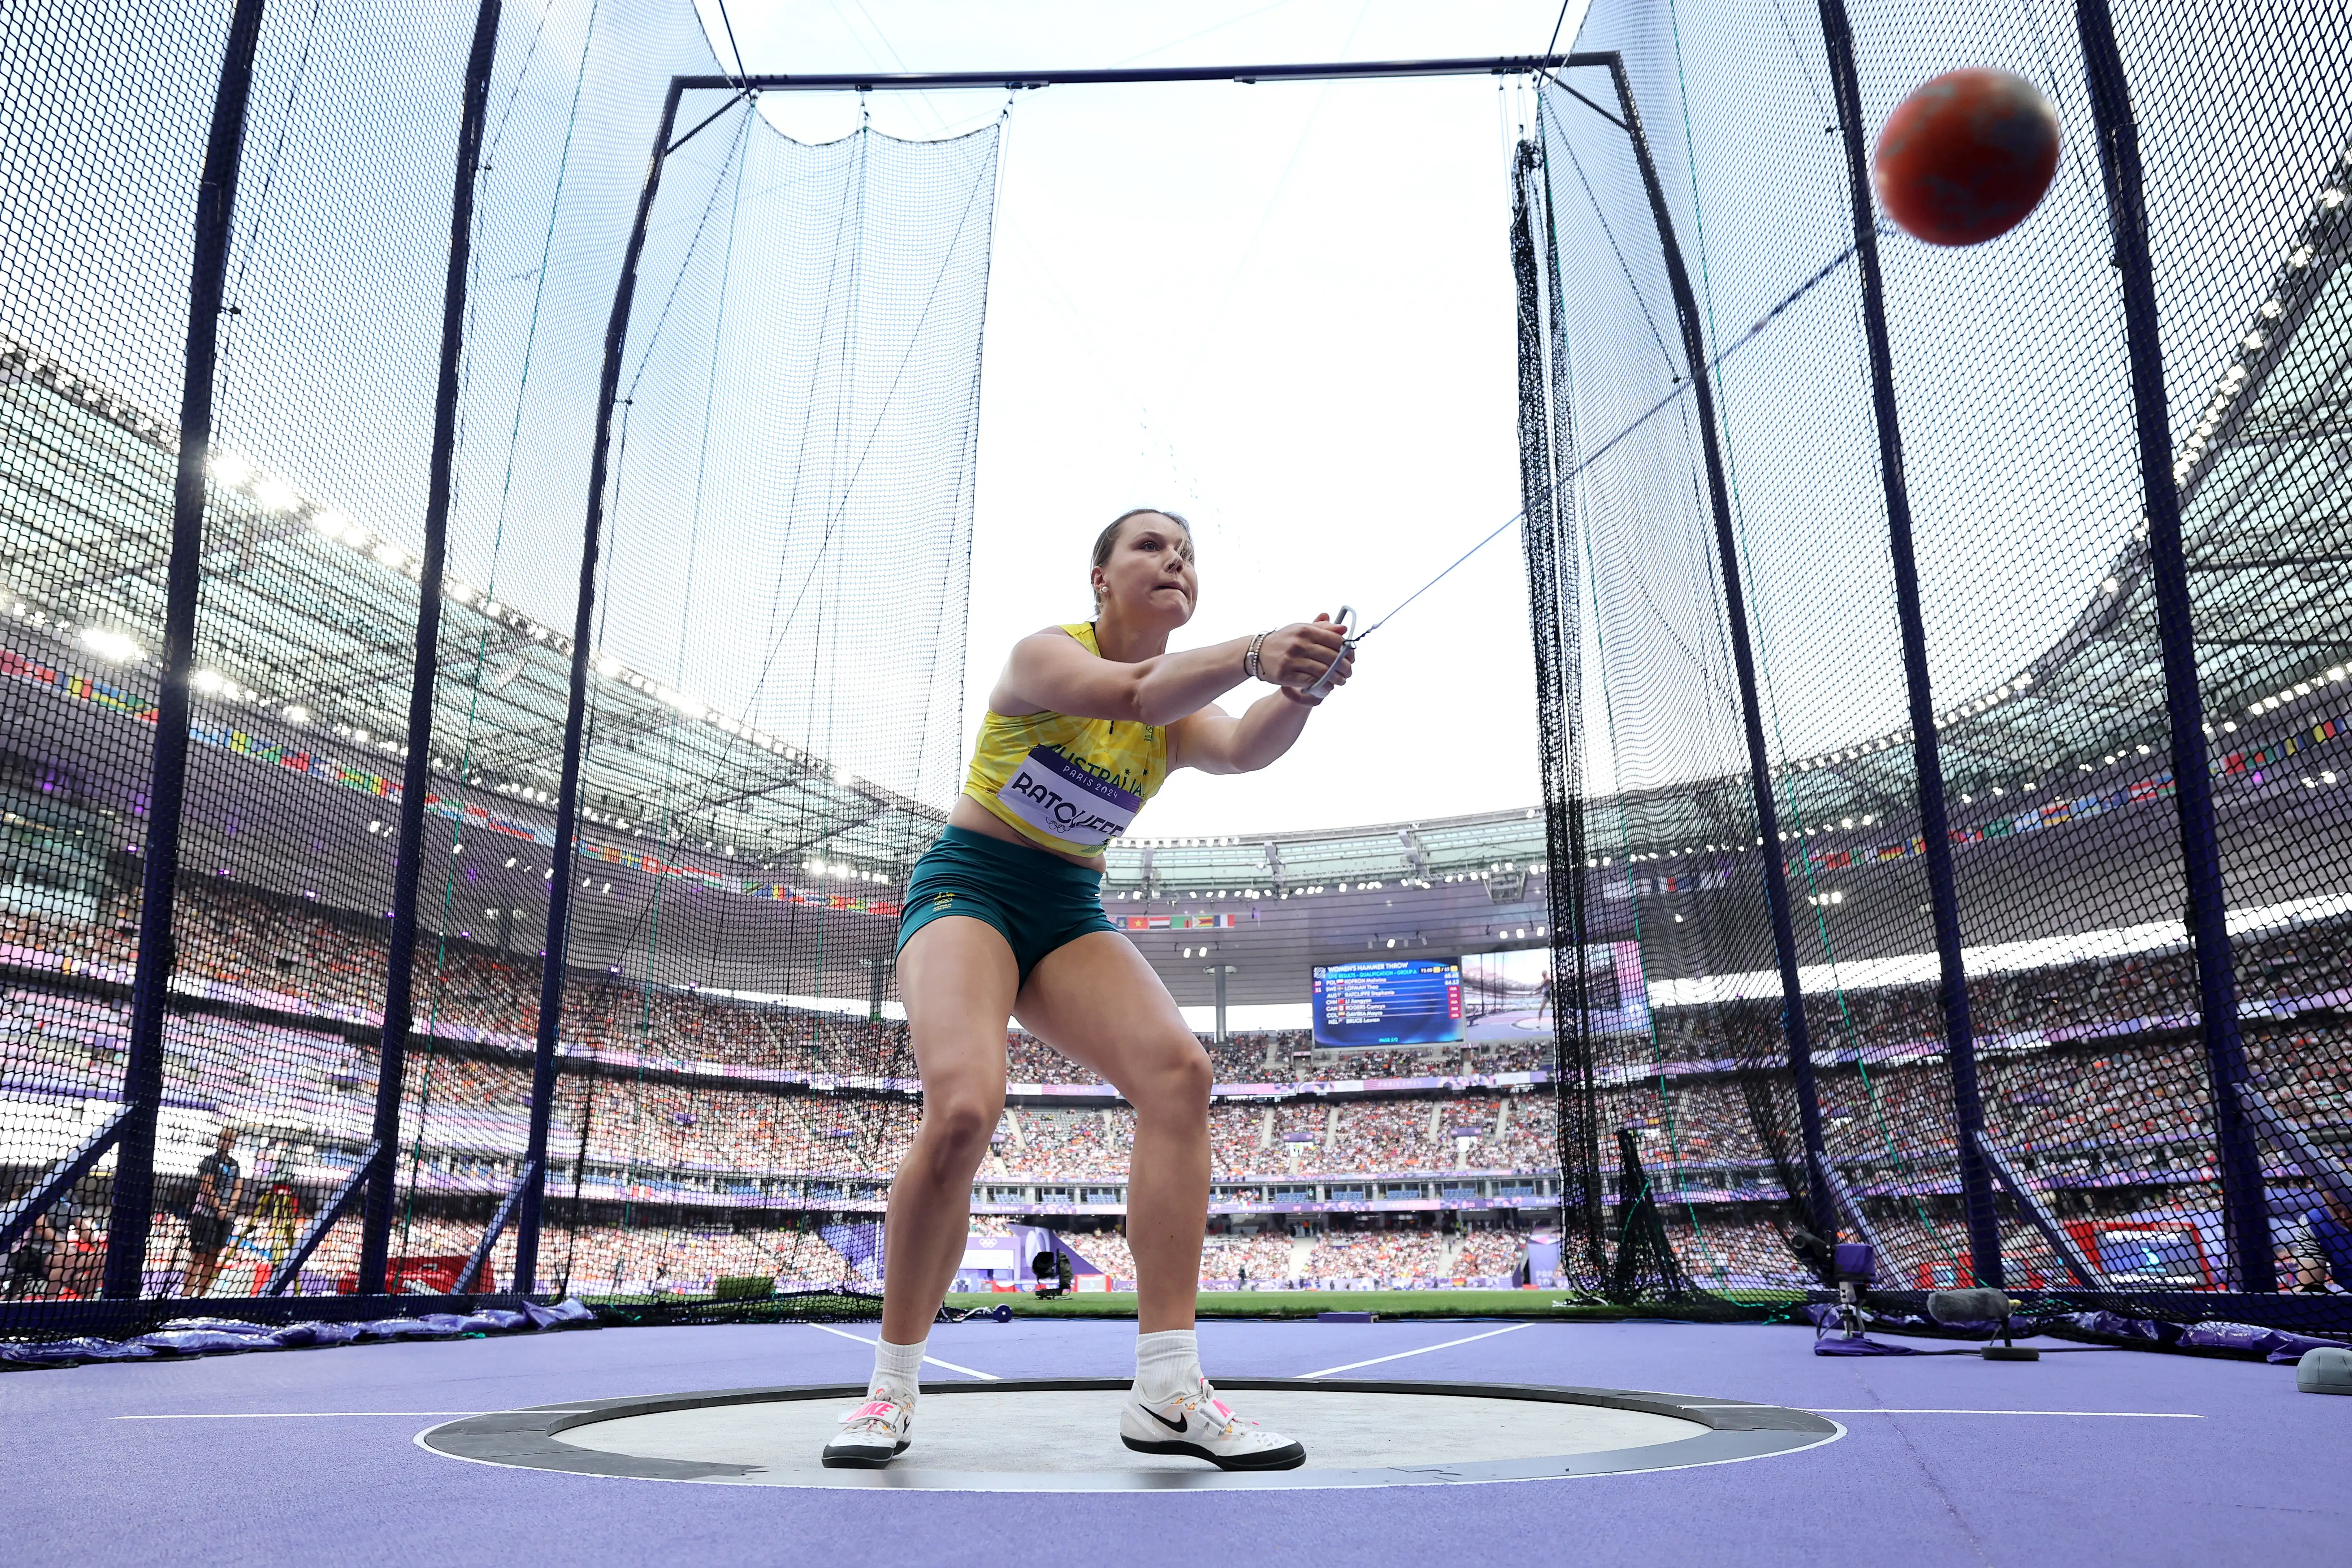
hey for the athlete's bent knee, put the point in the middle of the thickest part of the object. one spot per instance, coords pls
(1179, 1081)
(957, 1126)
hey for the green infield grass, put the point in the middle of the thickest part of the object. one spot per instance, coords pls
(740, 1303)
(1549, 1304)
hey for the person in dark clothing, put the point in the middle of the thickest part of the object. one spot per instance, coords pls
(2327, 1252)
(26, 1272)
(219, 1183)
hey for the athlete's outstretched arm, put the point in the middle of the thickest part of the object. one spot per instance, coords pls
(1215, 742)
(1049, 671)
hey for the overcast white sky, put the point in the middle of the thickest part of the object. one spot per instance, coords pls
(1286, 310)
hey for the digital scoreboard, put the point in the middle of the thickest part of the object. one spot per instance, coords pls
(1509, 994)
(1417, 1002)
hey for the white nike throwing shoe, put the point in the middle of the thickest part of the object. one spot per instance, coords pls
(1199, 1423)
(872, 1435)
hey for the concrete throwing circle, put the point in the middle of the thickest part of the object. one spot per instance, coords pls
(1061, 1435)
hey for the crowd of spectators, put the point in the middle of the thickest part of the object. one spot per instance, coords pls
(1063, 1145)
(690, 1261)
(2134, 993)
(1720, 1251)
(303, 958)
(1389, 1257)
(1490, 1253)
(328, 960)
(2101, 1110)
(2074, 1078)
(1106, 1249)
(1290, 1056)
(621, 1122)
(687, 1260)
(1291, 1139)
(1259, 1258)
(1386, 1258)
(2107, 1109)
(1395, 1134)
(2104, 1104)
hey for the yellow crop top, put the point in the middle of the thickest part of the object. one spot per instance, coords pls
(1065, 782)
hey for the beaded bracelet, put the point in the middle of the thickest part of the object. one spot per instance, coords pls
(1251, 666)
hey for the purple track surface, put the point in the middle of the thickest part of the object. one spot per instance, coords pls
(2261, 1477)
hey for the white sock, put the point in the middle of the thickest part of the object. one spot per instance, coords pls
(1167, 1363)
(899, 1367)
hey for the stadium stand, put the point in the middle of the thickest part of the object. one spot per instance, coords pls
(703, 1103)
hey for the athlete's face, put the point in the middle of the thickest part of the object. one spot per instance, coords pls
(1150, 575)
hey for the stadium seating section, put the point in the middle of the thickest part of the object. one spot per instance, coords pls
(282, 995)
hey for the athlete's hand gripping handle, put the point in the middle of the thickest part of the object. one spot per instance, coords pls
(1347, 648)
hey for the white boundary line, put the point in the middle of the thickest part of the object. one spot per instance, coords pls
(307, 1415)
(861, 1339)
(1424, 1350)
(2139, 1415)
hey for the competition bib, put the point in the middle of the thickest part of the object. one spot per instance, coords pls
(1056, 797)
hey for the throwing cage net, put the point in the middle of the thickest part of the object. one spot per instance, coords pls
(2087, 1126)
(775, 732)
(557, 958)
(769, 693)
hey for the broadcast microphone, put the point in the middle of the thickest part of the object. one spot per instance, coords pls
(1970, 1306)
(1981, 1306)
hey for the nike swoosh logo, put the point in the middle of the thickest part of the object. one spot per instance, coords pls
(1183, 1424)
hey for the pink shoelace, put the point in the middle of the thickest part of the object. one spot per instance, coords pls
(1216, 1402)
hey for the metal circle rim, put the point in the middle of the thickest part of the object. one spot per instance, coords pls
(1737, 1430)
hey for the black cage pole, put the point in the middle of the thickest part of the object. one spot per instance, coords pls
(2245, 1210)
(416, 774)
(1569, 805)
(1819, 1203)
(527, 1221)
(616, 333)
(1546, 438)
(1935, 828)
(142, 1072)
(567, 795)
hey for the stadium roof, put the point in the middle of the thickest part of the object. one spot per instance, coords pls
(308, 630)
(307, 623)
(2264, 517)
(2266, 493)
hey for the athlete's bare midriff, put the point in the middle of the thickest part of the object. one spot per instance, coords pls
(975, 817)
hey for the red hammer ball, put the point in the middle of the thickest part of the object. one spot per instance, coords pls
(1967, 157)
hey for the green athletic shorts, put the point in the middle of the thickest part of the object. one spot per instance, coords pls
(1038, 900)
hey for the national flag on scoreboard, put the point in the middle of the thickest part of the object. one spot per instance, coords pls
(1147, 922)
(1179, 922)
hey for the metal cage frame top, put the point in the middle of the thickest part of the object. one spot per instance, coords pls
(132, 1131)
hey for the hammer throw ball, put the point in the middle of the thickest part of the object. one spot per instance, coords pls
(1967, 157)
